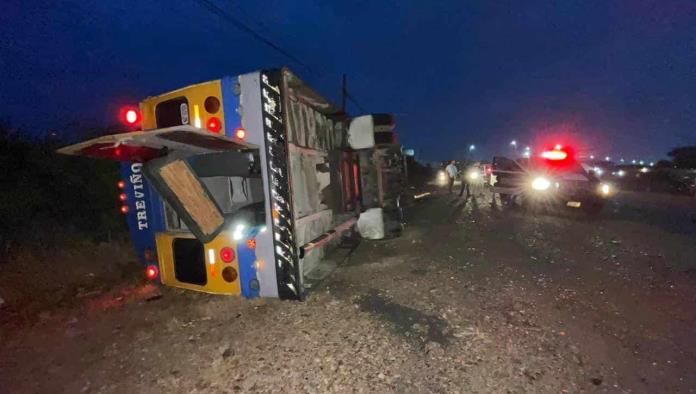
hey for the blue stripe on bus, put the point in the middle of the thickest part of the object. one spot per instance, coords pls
(246, 258)
(230, 104)
(142, 231)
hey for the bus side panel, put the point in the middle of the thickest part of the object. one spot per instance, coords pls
(145, 211)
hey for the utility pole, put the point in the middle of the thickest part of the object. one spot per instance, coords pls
(344, 93)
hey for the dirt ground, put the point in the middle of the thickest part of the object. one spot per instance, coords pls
(473, 298)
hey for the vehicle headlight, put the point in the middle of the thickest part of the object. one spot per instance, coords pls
(541, 183)
(621, 173)
(472, 175)
(441, 175)
(605, 189)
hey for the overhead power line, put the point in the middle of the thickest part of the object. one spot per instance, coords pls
(215, 9)
(355, 102)
(212, 7)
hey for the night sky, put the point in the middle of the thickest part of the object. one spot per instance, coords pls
(619, 76)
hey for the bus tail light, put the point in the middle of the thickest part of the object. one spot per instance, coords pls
(227, 254)
(229, 274)
(211, 104)
(214, 125)
(124, 209)
(130, 116)
(151, 272)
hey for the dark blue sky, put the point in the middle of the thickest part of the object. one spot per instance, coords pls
(621, 76)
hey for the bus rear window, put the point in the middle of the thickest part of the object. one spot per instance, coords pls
(172, 112)
(189, 261)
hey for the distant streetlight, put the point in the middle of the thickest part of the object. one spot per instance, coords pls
(621, 160)
(472, 148)
(591, 157)
(641, 162)
(607, 158)
(633, 162)
(652, 164)
(513, 143)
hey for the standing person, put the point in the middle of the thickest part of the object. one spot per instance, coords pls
(470, 177)
(451, 171)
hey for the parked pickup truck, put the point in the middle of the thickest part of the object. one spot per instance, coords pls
(552, 179)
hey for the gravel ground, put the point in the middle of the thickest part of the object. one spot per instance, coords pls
(473, 298)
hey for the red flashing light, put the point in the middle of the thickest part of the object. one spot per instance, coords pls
(130, 116)
(151, 272)
(121, 184)
(122, 197)
(227, 254)
(214, 125)
(240, 134)
(555, 154)
(124, 209)
(251, 244)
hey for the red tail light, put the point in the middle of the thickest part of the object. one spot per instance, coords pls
(121, 184)
(130, 116)
(240, 134)
(122, 197)
(124, 209)
(151, 272)
(214, 125)
(555, 154)
(227, 254)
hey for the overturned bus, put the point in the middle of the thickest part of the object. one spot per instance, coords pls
(240, 185)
